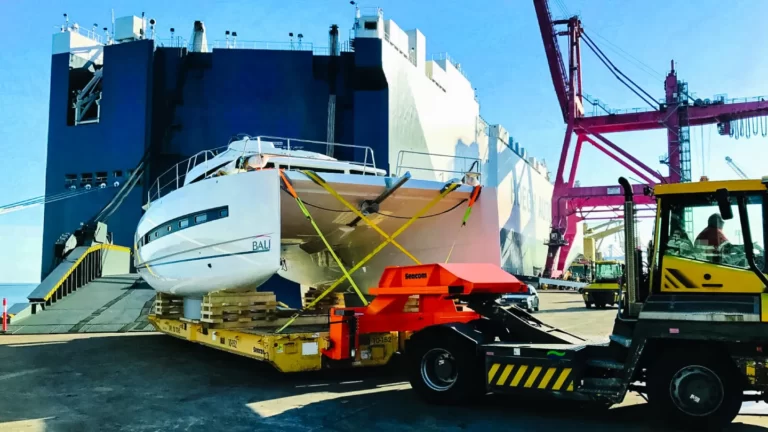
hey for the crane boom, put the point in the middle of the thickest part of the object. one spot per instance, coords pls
(554, 58)
(735, 168)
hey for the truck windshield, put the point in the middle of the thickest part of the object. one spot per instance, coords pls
(607, 272)
(695, 230)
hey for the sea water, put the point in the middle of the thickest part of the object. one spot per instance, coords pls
(15, 292)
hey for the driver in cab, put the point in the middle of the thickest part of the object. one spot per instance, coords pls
(711, 238)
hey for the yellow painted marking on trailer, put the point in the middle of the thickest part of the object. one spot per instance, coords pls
(561, 379)
(519, 375)
(504, 374)
(570, 386)
(492, 372)
(534, 373)
(547, 376)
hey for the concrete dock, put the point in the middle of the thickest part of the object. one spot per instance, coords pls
(150, 382)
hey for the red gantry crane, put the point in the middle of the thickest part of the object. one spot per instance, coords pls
(676, 113)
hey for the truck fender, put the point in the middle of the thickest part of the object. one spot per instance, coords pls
(464, 331)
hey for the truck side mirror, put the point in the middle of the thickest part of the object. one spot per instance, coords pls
(724, 203)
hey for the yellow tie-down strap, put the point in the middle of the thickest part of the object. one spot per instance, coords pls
(306, 213)
(388, 239)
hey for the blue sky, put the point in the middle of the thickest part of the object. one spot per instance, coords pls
(717, 49)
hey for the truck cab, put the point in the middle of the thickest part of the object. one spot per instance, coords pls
(691, 333)
(604, 289)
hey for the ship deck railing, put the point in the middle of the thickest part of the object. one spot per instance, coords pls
(89, 33)
(181, 42)
(462, 165)
(174, 178)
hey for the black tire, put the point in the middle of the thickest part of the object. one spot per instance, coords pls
(536, 309)
(458, 380)
(681, 376)
(589, 305)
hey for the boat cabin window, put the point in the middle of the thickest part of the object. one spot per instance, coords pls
(329, 171)
(317, 170)
(361, 172)
(184, 222)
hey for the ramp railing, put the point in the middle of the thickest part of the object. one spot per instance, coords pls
(80, 267)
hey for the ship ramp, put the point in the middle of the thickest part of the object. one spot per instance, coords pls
(90, 291)
(118, 303)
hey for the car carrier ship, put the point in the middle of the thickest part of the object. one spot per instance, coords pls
(128, 105)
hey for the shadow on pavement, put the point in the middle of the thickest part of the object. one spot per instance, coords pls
(155, 382)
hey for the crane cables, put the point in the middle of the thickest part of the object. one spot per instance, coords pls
(748, 127)
(45, 199)
(636, 89)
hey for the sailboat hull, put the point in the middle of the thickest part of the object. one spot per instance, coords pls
(264, 232)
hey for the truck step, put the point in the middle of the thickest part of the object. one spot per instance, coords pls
(602, 384)
(621, 340)
(606, 364)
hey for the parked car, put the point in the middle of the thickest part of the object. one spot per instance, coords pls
(528, 300)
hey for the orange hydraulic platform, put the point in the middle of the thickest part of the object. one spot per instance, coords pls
(436, 287)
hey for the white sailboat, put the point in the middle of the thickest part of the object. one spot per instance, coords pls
(228, 220)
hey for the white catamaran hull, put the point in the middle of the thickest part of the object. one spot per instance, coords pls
(253, 230)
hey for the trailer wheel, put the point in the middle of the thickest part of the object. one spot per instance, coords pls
(695, 390)
(589, 305)
(444, 368)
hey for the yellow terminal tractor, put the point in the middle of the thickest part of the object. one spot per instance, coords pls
(604, 289)
(691, 332)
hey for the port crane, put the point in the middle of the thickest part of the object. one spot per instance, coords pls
(676, 113)
(735, 168)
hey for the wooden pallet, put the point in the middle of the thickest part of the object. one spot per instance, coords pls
(169, 306)
(331, 300)
(238, 309)
(238, 298)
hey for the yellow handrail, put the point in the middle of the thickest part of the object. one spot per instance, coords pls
(74, 266)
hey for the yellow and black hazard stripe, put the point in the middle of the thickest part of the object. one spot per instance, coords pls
(554, 378)
(674, 278)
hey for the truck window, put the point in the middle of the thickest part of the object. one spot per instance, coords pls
(695, 230)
